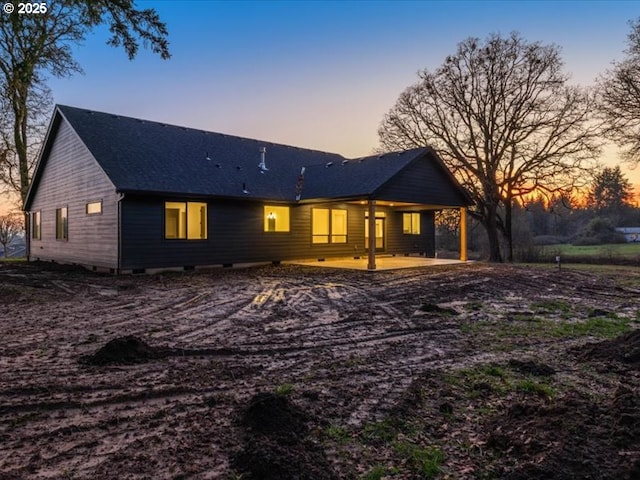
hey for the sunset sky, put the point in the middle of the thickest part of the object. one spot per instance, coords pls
(322, 74)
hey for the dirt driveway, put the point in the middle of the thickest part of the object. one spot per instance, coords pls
(473, 371)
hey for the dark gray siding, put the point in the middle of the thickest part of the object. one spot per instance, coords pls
(71, 177)
(235, 235)
(422, 181)
(401, 243)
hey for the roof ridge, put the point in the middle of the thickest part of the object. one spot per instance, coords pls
(193, 129)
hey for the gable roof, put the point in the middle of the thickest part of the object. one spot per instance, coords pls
(141, 156)
(356, 178)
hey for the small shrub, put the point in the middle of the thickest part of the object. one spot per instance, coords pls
(598, 231)
(533, 387)
(284, 390)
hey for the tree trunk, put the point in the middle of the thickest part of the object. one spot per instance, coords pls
(508, 229)
(491, 226)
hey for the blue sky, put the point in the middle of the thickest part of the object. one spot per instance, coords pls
(321, 74)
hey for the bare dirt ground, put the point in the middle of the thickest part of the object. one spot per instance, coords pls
(467, 372)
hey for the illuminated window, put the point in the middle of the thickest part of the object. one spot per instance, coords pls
(36, 225)
(276, 219)
(338, 226)
(62, 224)
(94, 208)
(320, 225)
(328, 225)
(185, 220)
(411, 223)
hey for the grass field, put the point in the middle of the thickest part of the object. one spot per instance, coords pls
(629, 251)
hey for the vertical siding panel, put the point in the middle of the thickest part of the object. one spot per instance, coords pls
(71, 178)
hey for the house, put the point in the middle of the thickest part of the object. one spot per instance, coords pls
(631, 234)
(127, 195)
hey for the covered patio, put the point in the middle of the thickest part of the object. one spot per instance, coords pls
(382, 262)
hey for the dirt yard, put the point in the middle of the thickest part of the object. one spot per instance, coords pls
(466, 372)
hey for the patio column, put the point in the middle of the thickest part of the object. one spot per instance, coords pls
(372, 235)
(463, 234)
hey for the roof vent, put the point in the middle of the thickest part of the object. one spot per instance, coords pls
(263, 162)
(244, 189)
(328, 164)
(344, 162)
(207, 156)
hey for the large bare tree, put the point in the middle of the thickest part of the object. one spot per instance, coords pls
(33, 46)
(502, 116)
(619, 92)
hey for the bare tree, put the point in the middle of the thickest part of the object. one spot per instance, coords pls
(10, 227)
(619, 92)
(34, 46)
(502, 117)
(39, 107)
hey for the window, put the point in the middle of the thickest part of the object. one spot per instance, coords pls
(62, 224)
(36, 225)
(411, 223)
(328, 225)
(276, 219)
(185, 220)
(338, 226)
(320, 225)
(94, 208)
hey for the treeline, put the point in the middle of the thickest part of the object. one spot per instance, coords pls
(591, 219)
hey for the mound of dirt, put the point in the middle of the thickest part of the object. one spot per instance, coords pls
(266, 458)
(124, 350)
(276, 446)
(274, 415)
(532, 368)
(625, 348)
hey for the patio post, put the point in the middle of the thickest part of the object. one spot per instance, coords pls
(463, 234)
(372, 235)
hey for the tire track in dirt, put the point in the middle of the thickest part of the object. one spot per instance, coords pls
(349, 343)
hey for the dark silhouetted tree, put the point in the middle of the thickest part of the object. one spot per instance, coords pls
(504, 120)
(619, 98)
(34, 46)
(610, 193)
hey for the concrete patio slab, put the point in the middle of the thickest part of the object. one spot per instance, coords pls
(382, 263)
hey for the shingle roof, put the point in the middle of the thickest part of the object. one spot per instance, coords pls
(358, 177)
(143, 156)
(149, 157)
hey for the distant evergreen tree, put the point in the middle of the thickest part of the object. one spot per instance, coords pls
(610, 193)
